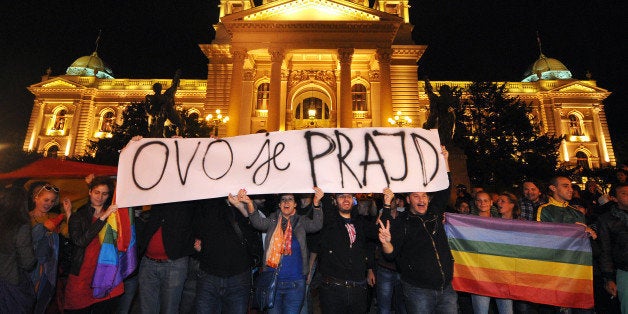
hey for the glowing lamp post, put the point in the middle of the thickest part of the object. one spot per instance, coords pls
(399, 120)
(216, 121)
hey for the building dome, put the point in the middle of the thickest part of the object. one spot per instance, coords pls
(546, 69)
(90, 65)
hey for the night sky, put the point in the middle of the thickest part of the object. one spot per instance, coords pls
(467, 40)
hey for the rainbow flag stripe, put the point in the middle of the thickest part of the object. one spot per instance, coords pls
(118, 252)
(546, 263)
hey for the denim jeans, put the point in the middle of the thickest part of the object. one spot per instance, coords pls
(289, 297)
(389, 292)
(622, 289)
(161, 285)
(340, 299)
(420, 300)
(481, 304)
(226, 295)
(126, 299)
(188, 296)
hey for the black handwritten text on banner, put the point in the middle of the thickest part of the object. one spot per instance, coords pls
(153, 171)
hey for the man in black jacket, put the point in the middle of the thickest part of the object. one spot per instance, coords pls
(165, 246)
(225, 243)
(344, 258)
(613, 236)
(418, 244)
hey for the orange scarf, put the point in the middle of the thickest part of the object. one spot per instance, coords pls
(280, 243)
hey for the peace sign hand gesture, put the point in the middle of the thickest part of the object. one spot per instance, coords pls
(385, 237)
(384, 232)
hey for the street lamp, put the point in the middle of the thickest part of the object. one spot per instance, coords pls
(399, 120)
(216, 120)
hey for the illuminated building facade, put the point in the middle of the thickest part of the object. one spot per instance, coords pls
(293, 64)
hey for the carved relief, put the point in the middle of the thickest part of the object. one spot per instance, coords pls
(345, 55)
(248, 75)
(374, 75)
(384, 55)
(238, 56)
(276, 55)
(297, 76)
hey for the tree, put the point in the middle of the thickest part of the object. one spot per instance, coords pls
(106, 150)
(502, 143)
(12, 157)
(135, 122)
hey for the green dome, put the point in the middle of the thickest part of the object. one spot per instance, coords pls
(90, 66)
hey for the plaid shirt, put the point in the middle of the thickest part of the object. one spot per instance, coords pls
(529, 208)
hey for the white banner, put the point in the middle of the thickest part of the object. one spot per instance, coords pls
(364, 160)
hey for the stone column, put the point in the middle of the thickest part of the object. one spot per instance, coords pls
(558, 131)
(383, 57)
(248, 101)
(274, 101)
(38, 118)
(599, 133)
(346, 112)
(235, 93)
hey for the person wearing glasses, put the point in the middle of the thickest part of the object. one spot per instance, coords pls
(286, 246)
(46, 225)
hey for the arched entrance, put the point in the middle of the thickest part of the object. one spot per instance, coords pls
(311, 106)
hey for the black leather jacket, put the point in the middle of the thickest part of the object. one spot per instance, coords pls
(613, 238)
(175, 219)
(82, 231)
(339, 259)
(421, 249)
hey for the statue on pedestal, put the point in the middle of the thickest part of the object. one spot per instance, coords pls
(442, 115)
(160, 107)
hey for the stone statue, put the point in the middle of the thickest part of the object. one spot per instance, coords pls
(160, 108)
(442, 116)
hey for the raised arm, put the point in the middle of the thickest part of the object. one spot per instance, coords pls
(388, 197)
(257, 221)
(316, 223)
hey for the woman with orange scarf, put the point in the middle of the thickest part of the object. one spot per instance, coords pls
(285, 246)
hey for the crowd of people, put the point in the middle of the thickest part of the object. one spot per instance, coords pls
(333, 253)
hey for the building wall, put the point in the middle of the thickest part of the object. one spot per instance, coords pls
(301, 60)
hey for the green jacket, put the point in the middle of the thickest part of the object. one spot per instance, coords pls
(556, 211)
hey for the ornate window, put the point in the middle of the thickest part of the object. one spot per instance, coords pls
(236, 7)
(575, 125)
(391, 8)
(52, 151)
(193, 116)
(263, 92)
(358, 97)
(582, 159)
(107, 120)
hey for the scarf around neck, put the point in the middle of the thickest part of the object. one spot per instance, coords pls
(280, 243)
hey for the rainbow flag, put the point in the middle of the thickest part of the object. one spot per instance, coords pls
(545, 263)
(118, 256)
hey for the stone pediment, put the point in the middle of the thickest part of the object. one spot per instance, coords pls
(578, 87)
(57, 83)
(310, 10)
